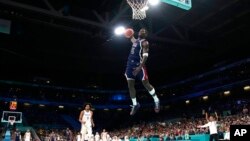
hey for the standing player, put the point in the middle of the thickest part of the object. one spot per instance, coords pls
(104, 135)
(18, 136)
(86, 119)
(27, 136)
(97, 136)
(212, 124)
(136, 69)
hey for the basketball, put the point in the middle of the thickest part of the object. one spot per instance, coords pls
(129, 32)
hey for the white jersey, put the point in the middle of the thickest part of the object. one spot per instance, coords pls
(97, 137)
(27, 136)
(87, 118)
(104, 136)
(212, 127)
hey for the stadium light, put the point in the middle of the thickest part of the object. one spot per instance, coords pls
(119, 30)
(154, 2)
(26, 104)
(145, 8)
(119, 109)
(205, 97)
(41, 105)
(60, 106)
(247, 88)
(226, 92)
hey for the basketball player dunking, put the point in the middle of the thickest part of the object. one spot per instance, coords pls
(86, 119)
(136, 69)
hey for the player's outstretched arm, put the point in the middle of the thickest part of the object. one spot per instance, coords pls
(216, 116)
(132, 39)
(202, 126)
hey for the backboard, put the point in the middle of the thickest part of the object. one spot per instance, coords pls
(184, 4)
(10, 115)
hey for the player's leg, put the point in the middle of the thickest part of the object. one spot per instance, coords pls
(144, 77)
(150, 89)
(89, 130)
(132, 92)
(131, 84)
(211, 138)
(216, 137)
(83, 132)
(152, 92)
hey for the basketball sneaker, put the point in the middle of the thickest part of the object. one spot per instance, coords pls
(157, 107)
(134, 109)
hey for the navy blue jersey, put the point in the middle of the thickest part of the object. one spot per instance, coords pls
(135, 55)
(134, 60)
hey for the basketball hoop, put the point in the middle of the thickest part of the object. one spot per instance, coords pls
(11, 122)
(138, 8)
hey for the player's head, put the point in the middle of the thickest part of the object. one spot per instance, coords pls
(211, 118)
(87, 106)
(143, 33)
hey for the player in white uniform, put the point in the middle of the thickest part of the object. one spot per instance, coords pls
(104, 135)
(27, 136)
(86, 119)
(97, 136)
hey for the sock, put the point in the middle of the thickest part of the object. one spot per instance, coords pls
(134, 101)
(155, 97)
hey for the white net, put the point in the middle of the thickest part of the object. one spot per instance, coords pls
(11, 122)
(138, 8)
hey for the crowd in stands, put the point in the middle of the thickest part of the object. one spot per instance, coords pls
(230, 113)
(181, 128)
(177, 129)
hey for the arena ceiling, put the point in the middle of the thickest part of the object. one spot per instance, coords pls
(71, 42)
